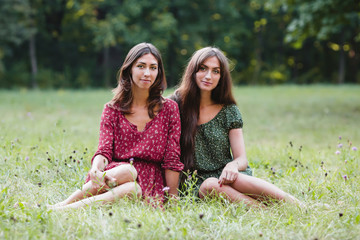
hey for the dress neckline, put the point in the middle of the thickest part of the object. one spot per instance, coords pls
(216, 116)
(147, 125)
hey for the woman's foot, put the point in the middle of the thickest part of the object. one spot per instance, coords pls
(57, 205)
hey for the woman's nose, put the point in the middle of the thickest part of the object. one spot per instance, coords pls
(147, 71)
(208, 74)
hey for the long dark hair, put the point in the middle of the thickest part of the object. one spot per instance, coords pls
(123, 95)
(188, 98)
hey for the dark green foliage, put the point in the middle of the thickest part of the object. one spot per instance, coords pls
(78, 43)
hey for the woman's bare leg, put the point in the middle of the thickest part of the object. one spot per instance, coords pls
(211, 186)
(259, 188)
(123, 173)
(125, 189)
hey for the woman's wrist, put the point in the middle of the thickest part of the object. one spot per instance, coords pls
(234, 164)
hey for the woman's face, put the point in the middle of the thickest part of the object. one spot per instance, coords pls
(144, 71)
(208, 76)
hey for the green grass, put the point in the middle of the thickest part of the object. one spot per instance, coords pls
(47, 140)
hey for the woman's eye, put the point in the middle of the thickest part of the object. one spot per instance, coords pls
(216, 71)
(202, 69)
(140, 66)
(153, 68)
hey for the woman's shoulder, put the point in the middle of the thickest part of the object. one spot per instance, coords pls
(232, 107)
(111, 109)
(233, 116)
(170, 104)
(112, 106)
(175, 97)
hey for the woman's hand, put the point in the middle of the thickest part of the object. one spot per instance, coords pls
(229, 173)
(100, 180)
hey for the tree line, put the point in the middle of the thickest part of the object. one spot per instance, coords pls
(82, 43)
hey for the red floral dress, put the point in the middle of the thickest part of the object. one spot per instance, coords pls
(154, 149)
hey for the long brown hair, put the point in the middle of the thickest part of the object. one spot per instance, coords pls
(188, 98)
(123, 95)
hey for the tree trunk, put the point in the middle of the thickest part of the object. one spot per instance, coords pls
(258, 58)
(106, 68)
(341, 62)
(354, 59)
(32, 54)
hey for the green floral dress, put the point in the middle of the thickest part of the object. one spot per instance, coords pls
(212, 145)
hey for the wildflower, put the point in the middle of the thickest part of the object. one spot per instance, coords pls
(345, 177)
(27, 158)
(341, 214)
(345, 161)
(354, 148)
(260, 234)
(340, 145)
(165, 189)
(337, 152)
(131, 160)
(201, 215)
(110, 214)
(340, 137)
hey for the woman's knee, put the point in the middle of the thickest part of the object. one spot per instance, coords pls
(125, 173)
(208, 186)
(92, 187)
(131, 172)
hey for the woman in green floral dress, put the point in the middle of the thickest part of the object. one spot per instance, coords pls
(212, 140)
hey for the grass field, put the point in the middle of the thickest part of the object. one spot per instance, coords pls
(292, 134)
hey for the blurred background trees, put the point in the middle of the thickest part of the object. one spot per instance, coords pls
(82, 43)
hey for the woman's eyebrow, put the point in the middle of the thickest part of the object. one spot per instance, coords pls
(203, 65)
(145, 63)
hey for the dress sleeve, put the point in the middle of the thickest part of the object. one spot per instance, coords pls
(233, 117)
(172, 152)
(106, 135)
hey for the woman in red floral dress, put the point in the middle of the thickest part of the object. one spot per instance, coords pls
(139, 150)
